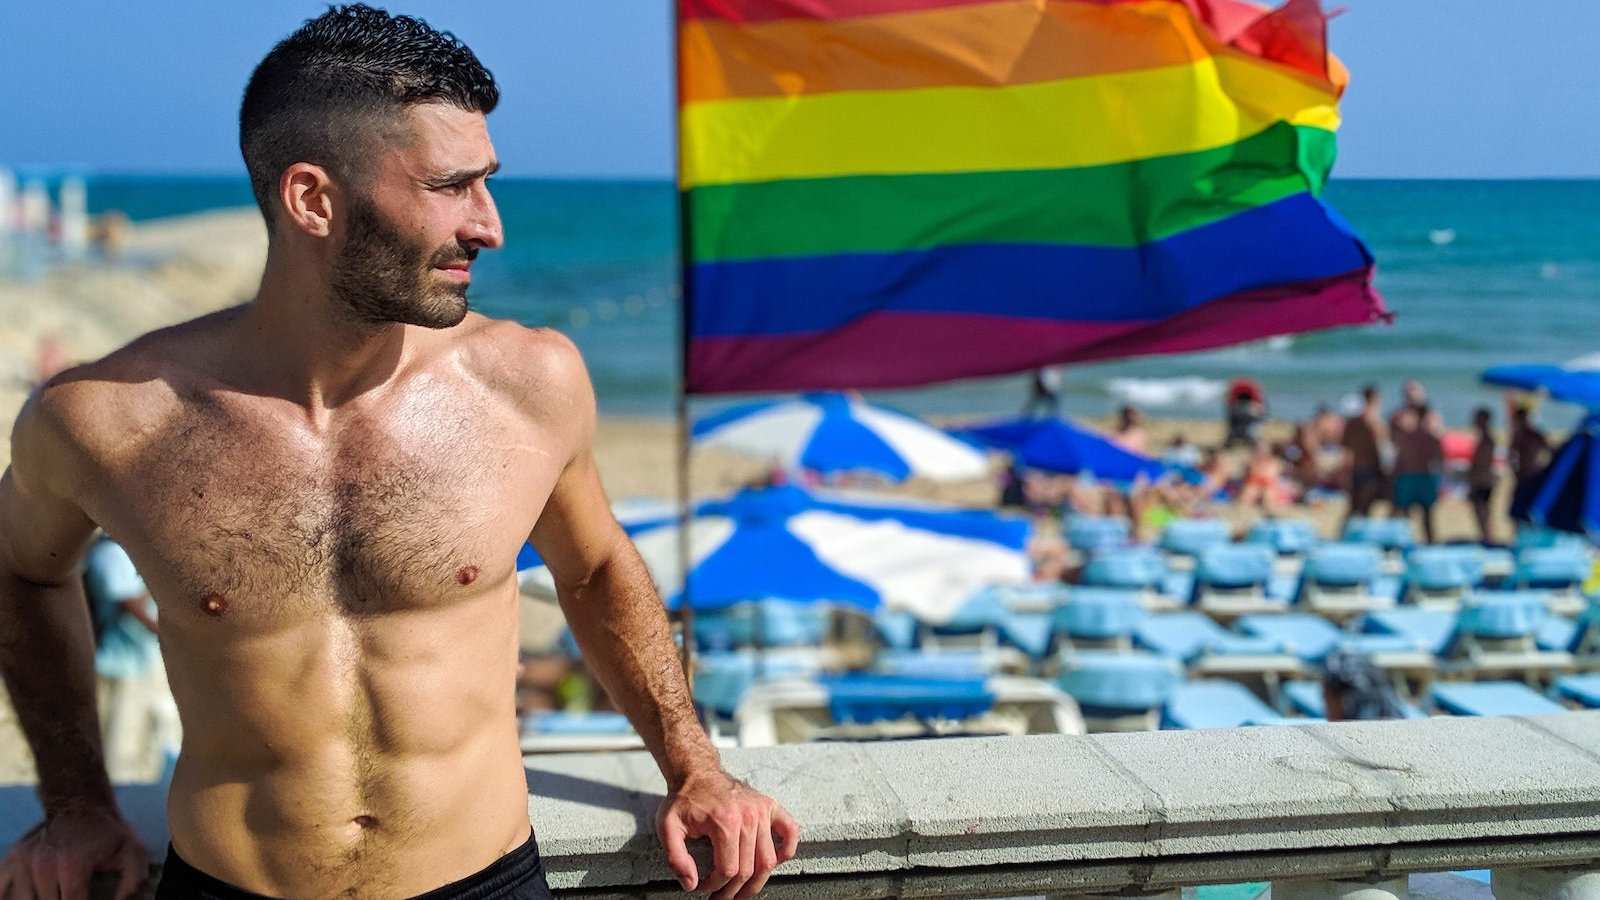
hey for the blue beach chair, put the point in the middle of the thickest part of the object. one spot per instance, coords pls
(1098, 619)
(1141, 569)
(1439, 577)
(1218, 704)
(1492, 698)
(571, 732)
(1582, 690)
(871, 706)
(1493, 634)
(1344, 581)
(1232, 580)
(1559, 571)
(1393, 536)
(1292, 538)
(1183, 540)
(1206, 649)
(1087, 534)
(1119, 691)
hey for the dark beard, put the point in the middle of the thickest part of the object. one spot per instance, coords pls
(381, 278)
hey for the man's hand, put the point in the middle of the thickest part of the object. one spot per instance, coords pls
(740, 823)
(57, 858)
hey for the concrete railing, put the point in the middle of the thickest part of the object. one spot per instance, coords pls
(1319, 810)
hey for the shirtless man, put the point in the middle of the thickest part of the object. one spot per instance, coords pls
(1363, 464)
(325, 489)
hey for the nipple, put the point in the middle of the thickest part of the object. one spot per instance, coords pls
(214, 604)
(466, 575)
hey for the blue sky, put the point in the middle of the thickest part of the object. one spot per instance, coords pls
(1458, 89)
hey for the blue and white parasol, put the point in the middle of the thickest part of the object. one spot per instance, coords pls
(786, 543)
(832, 433)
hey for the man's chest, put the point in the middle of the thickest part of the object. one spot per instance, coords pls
(239, 517)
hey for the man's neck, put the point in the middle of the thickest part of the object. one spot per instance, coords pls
(301, 344)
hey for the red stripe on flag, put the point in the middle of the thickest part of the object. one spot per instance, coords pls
(887, 350)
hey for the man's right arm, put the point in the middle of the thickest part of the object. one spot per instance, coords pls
(47, 662)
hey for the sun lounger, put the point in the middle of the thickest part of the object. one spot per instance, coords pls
(1560, 571)
(951, 663)
(1217, 704)
(722, 679)
(1087, 534)
(1232, 580)
(1098, 618)
(765, 623)
(1287, 537)
(866, 706)
(1305, 698)
(1308, 637)
(1439, 577)
(1342, 581)
(1493, 634)
(1209, 650)
(984, 622)
(1119, 691)
(1582, 690)
(1491, 698)
(896, 628)
(1141, 569)
(565, 732)
(1392, 536)
(1183, 540)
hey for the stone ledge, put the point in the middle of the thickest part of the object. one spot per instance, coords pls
(1066, 813)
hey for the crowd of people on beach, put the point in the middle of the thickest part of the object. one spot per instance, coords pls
(1405, 459)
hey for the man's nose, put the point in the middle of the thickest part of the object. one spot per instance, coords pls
(483, 229)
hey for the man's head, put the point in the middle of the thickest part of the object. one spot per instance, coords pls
(364, 133)
(1414, 394)
(1482, 418)
(1369, 395)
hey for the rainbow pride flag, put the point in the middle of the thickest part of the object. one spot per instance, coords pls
(880, 193)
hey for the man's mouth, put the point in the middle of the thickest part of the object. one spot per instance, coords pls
(459, 271)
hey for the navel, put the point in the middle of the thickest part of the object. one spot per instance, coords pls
(214, 604)
(466, 575)
(366, 821)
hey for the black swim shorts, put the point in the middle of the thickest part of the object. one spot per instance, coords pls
(519, 875)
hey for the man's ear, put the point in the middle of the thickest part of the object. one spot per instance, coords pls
(307, 195)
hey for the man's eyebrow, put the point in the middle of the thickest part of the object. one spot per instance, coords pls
(457, 176)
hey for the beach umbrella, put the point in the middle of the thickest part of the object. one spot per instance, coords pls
(1576, 382)
(841, 433)
(786, 543)
(1056, 445)
(1566, 496)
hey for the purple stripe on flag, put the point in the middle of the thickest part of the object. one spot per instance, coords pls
(899, 349)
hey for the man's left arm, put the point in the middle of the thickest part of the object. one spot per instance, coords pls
(619, 620)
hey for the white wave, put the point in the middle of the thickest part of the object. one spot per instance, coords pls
(1188, 391)
(1442, 237)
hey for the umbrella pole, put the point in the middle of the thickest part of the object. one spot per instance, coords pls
(685, 607)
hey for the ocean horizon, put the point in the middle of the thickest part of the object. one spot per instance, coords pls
(1478, 272)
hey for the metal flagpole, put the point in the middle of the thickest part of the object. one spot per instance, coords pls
(685, 495)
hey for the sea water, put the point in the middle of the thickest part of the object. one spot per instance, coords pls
(1476, 272)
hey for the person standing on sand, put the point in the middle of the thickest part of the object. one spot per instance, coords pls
(1363, 464)
(1418, 464)
(1481, 477)
(1130, 434)
(1528, 451)
(325, 489)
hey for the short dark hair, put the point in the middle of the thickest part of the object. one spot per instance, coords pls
(321, 88)
(1370, 392)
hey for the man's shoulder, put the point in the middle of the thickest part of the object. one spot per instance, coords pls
(531, 365)
(100, 405)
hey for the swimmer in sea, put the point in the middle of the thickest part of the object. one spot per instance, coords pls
(325, 489)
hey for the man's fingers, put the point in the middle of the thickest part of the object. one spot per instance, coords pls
(747, 861)
(71, 880)
(133, 867)
(678, 859)
(766, 859)
(788, 832)
(22, 885)
(44, 875)
(724, 855)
